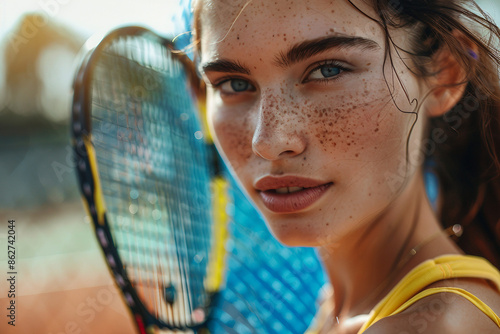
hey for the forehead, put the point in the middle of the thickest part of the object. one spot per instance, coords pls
(229, 25)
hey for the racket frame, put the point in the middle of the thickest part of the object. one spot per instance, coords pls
(86, 167)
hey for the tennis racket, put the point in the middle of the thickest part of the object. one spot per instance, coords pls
(184, 255)
(148, 176)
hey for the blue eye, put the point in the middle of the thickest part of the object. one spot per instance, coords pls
(239, 85)
(236, 86)
(330, 71)
(326, 71)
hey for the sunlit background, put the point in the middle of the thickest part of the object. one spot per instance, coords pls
(63, 285)
(39, 43)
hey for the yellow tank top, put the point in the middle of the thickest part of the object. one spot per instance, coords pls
(411, 288)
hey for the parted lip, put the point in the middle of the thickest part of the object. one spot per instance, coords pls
(274, 182)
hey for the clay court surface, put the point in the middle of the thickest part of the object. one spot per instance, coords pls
(63, 285)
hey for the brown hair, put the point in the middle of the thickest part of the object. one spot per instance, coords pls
(467, 161)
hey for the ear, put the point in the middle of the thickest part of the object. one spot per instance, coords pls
(447, 85)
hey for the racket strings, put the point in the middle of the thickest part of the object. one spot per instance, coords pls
(148, 168)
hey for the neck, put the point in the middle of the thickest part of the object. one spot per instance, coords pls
(366, 265)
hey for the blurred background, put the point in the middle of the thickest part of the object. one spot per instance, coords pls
(63, 286)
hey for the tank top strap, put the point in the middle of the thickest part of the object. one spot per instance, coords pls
(458, 291)
(428, 272)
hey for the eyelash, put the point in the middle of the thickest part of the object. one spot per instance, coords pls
(332, 63)
(217, 85)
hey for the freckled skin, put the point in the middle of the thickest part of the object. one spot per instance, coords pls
(350, 128)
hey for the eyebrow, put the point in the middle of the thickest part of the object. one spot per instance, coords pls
(307, 49)
(226, 66)
(296, 53)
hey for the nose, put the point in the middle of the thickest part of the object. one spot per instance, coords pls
(278, 133)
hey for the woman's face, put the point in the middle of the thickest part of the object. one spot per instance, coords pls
(301, 108)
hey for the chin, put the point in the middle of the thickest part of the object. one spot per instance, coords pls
(293, 236)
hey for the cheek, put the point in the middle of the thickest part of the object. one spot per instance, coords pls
(357, 124)
(233, 137)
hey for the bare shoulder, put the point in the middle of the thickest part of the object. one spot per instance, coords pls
(445, 312)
